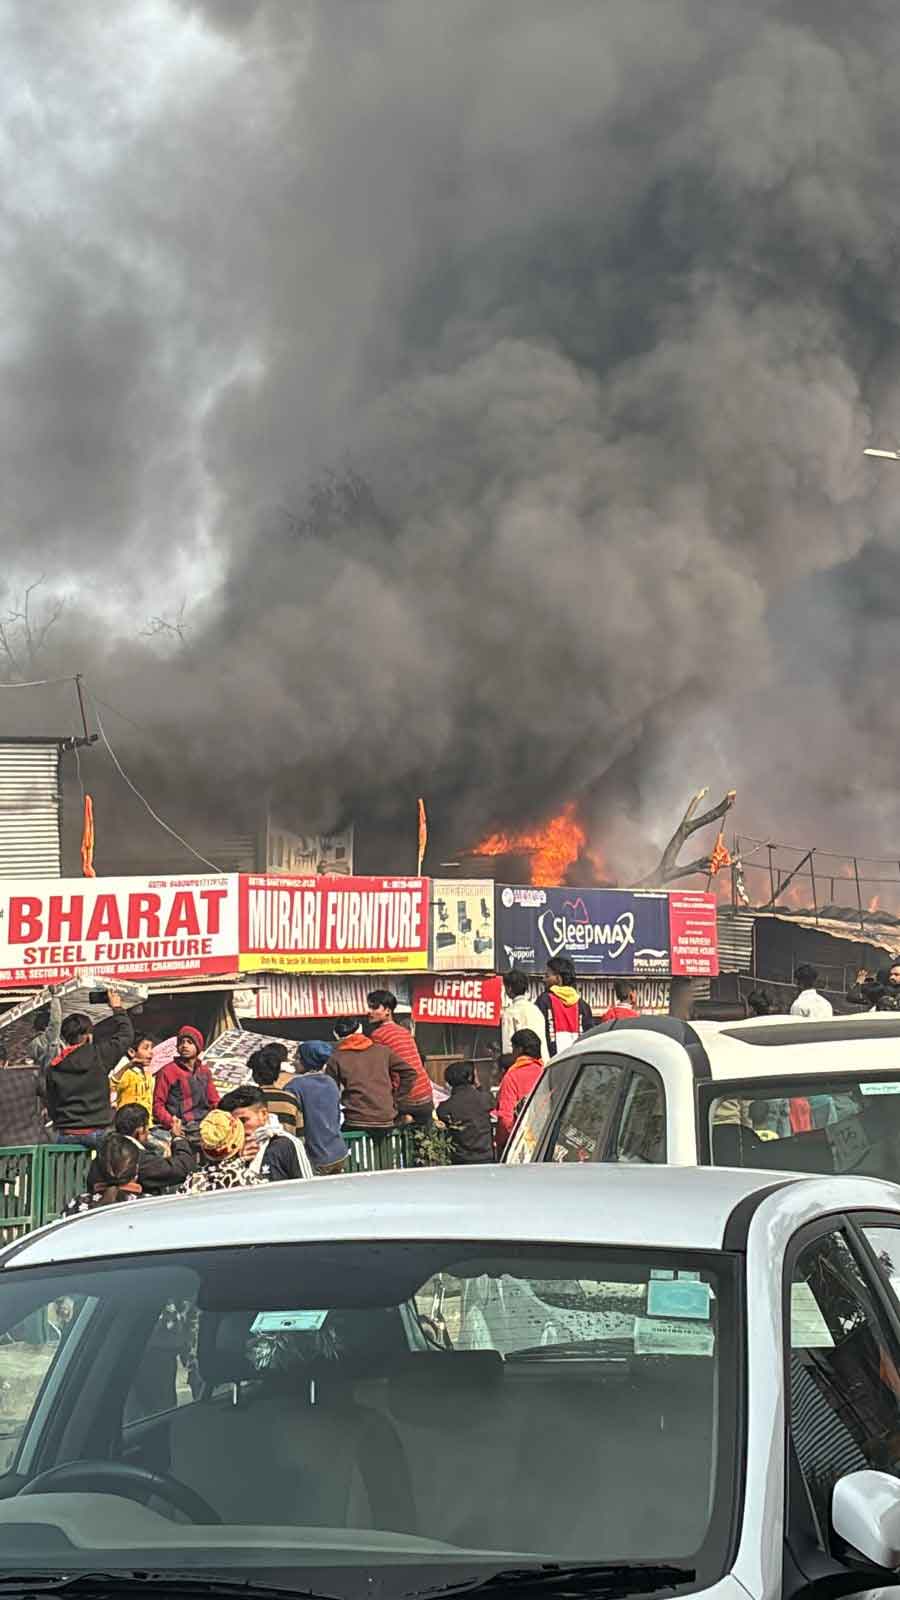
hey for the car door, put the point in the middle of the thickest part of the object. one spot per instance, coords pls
(842, 1364)
(615, 1110)
(529, 1136)
(639, 1128)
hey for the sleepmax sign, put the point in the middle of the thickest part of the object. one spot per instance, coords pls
(604, 931)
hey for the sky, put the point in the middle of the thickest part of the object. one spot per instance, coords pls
(462, 400)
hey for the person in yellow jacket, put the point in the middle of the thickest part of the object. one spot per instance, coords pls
(132, 1082)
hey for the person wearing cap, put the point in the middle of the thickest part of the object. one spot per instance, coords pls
(184, 1090)
(222, 1152)
(320, 1098)
(362, 1069)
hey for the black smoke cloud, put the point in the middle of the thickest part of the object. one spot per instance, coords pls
(483, 386)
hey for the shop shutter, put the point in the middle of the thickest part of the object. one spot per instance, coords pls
(29, 811)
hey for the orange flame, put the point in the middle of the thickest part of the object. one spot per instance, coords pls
(874, 904)
(552, 848)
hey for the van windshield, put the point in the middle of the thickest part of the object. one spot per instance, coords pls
(818, 1124)
(387, 1406)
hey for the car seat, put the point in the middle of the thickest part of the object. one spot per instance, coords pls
(288, 1448)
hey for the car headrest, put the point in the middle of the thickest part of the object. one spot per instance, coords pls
(735, 1146)
(222, 1347)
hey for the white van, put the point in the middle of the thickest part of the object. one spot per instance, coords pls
(774, 1092)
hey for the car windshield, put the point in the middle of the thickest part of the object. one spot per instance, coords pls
(378, 1405)
(820, 1124)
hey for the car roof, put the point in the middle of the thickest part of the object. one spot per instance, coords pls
(658, 1207)
(755, 1047)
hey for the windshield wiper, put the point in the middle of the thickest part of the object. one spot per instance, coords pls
(606, 1581)
(616, 1348)
(98, 1584)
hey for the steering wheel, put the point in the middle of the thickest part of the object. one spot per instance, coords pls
(120, 1477)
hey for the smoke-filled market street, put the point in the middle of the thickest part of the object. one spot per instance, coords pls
(449, 844)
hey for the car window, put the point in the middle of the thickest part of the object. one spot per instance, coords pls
(844, 1376)
(516, 1314)
(641, 1134)
(166, 1375)
(30, 1351)
(818, 1124)
(580, 1133)
(885, 1242)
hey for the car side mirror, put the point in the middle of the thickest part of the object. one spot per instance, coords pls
(865, 1513)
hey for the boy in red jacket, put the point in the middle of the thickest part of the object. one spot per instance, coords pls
(184, 1089)
(624, 1004)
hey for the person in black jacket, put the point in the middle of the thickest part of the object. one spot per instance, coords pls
(466, 1115)
(78, 1101)
(157, 1174)
(271, 1152)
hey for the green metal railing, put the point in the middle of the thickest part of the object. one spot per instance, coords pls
(380, 1152)
(37, 1181)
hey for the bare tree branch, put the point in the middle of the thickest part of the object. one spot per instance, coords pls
(667, 868)
(23, 636)
(692, 869)
(166, 627)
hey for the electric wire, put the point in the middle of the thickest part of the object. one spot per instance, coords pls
(46, 683)
(136, 791)
(37, 683)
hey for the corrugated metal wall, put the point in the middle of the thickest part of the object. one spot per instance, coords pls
(29, 811)
(735, 940)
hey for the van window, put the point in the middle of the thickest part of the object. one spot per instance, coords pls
(819, 1124)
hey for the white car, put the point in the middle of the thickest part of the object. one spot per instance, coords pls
(587, 1381)
(774, 1093)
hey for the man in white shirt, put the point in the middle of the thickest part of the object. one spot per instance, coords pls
(809, 1003)
(520, 1011)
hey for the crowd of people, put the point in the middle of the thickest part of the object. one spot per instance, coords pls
(871, 991)
(169, 1130)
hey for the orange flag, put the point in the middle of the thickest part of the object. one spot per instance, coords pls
(423, 835)
(87, 840)
(720, 857)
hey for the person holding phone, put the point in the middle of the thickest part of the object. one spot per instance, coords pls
(78, 1077)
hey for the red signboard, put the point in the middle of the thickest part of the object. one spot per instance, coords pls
(333, 924)
(470, 1000)
(694, 935)
(52, 929)
(302, 994)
